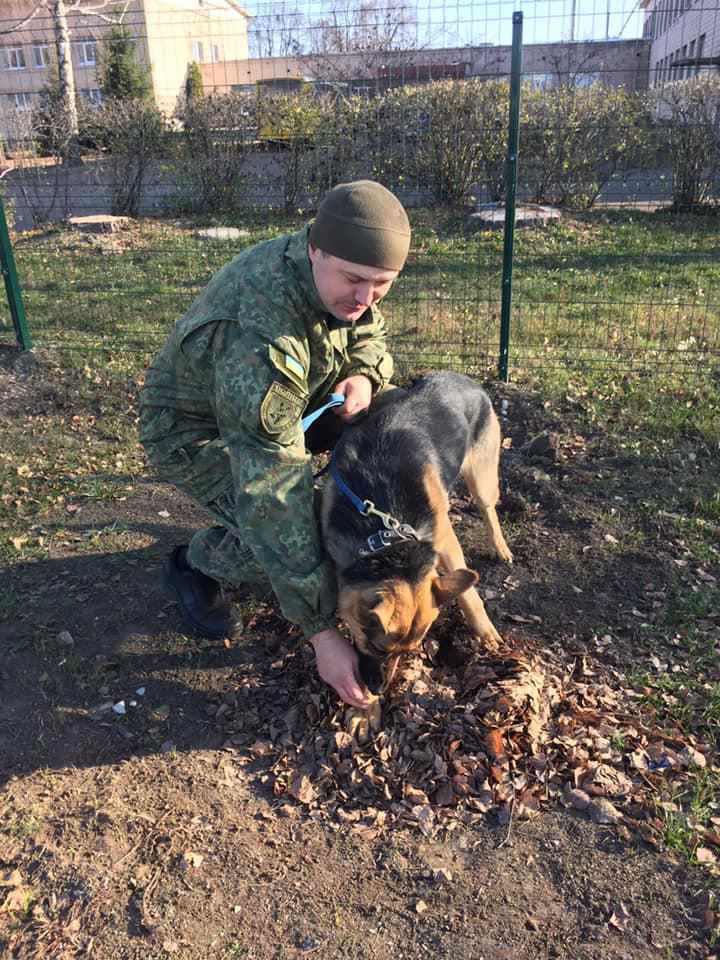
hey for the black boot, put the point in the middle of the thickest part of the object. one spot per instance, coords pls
(200, 598)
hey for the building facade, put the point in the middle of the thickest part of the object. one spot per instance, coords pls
(617, 63)
(684, 37)
(168, 35)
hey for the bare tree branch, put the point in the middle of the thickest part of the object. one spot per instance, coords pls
(79, 7)
(23, 23)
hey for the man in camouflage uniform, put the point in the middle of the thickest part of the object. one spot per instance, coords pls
(276, 330)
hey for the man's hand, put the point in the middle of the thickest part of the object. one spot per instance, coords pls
(357, 391)
(337, 664)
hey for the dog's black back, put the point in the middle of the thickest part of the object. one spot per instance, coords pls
(385, 456)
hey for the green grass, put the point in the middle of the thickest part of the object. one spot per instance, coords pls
(598, 291)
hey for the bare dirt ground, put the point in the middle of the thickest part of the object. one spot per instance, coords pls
(167, 796)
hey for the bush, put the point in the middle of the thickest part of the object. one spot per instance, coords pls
(573, 141)
(688, 133)
(296, 122)
(211, 152)
(133, 133)
(51, 128)
(448, 135)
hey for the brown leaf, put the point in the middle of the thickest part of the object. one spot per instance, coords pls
(494, 744)
(192, 859)
(11, 878)
(302, 789)
(414, 795)
(444, 796)
(18, 900)
(603, 780)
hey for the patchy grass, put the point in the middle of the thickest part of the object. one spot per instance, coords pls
(617, 568)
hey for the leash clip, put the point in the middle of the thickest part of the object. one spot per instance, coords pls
(389, 522)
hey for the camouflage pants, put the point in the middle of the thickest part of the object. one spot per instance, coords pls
(219, 551)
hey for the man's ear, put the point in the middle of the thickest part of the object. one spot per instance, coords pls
(451, 585)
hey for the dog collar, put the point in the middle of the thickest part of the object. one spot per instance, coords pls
(382, 539)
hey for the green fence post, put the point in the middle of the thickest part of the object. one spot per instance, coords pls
(510, 190)
(12, 284)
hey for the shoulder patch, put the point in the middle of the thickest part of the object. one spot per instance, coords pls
(288, 366)
(280, 409)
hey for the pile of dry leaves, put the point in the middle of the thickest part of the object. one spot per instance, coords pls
(502, 734)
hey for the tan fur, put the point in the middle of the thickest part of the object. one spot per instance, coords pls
(480, 473)
(452, 560)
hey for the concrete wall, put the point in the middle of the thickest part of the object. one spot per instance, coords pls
(55, 192)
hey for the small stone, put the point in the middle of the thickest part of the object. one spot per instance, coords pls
(66, 638)
(99, 223)
(577, 798)
(222, 233)
(421, 907)
(602, 811)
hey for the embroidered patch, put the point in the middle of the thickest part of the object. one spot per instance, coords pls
(288, 366)
(281, 409)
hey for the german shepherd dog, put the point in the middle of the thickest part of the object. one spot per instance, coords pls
(385, 516)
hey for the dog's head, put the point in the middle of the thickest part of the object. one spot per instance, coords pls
(390, 616)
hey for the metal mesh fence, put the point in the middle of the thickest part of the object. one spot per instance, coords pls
(184, 116)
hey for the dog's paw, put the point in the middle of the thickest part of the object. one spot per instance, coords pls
(502, 552)
(360, 724)
(489, 641)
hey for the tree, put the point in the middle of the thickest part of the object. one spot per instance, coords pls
(277, 34)
(364, 30)
(366, 25)
(121, 76)
(193, 83)
(58, 11)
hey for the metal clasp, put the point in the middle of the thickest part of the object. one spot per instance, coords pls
(389, 522)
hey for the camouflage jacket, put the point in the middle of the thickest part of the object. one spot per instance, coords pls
(223, 400)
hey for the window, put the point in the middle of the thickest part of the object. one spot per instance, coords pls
(92, 96)
(12, 58)
(700, 50)
(216, 53)
(41, 55)
(87, 53)
(198, 52)
(21, 101)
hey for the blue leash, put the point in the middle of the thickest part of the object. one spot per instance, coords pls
(394, 530)
(336, 400)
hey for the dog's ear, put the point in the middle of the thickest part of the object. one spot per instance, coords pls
(451, 585)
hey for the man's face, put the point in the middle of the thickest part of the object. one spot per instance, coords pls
(348, 289)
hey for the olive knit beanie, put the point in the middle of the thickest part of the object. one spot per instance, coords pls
(364, 223)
